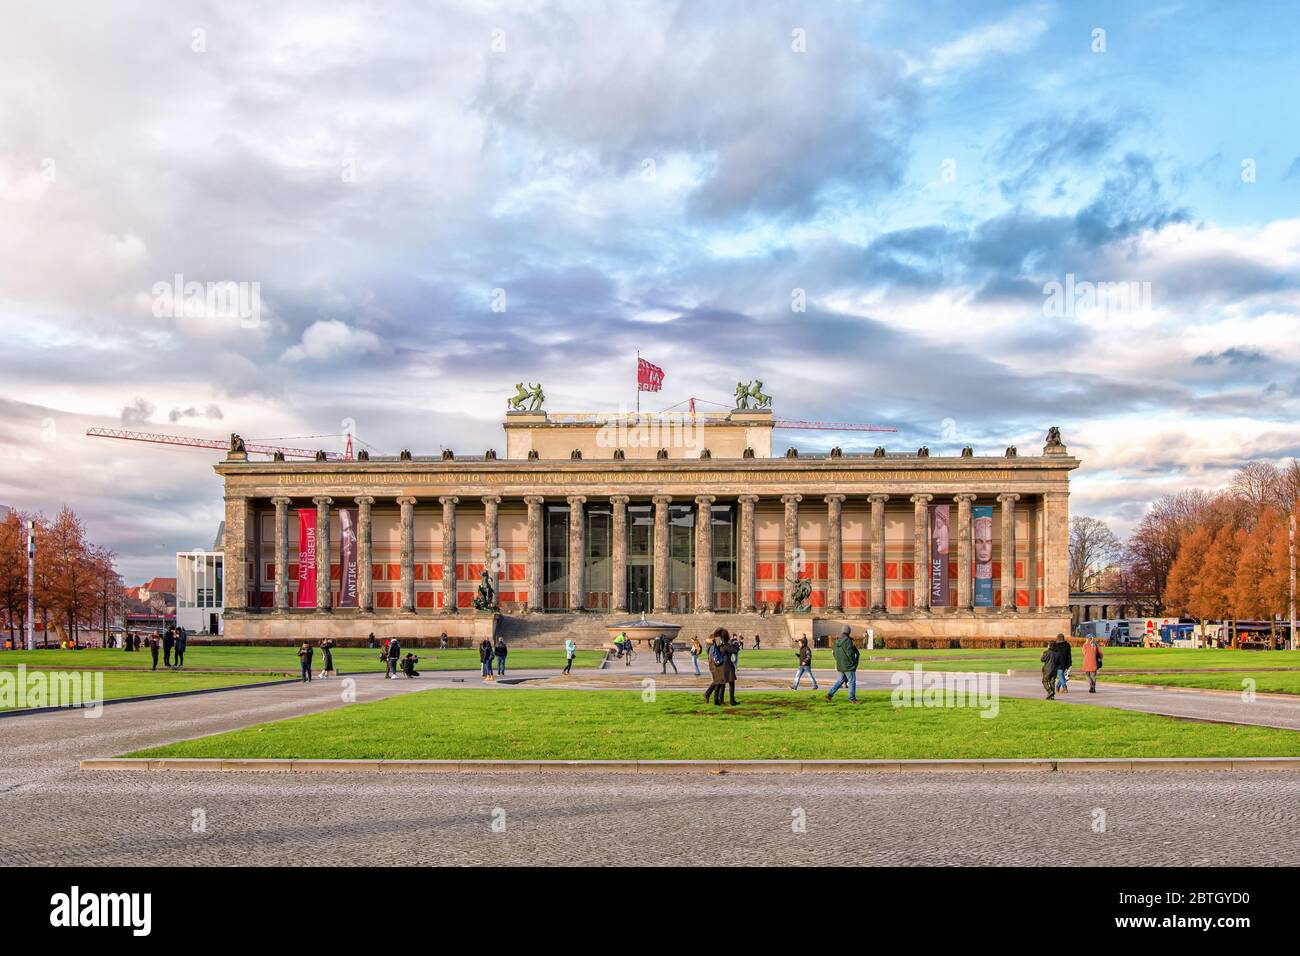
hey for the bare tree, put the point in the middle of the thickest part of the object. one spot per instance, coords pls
(1093, 550)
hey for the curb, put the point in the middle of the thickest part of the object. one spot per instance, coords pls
(29, 711)
(1024, 765)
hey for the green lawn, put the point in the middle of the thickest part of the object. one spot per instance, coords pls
(556, 724)
(142, 683)
(1004, 659)
(1266, 682)
(286, 658)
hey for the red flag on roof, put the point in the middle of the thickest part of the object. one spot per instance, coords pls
(649, 378)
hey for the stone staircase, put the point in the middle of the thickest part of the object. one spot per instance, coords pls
(540, 629)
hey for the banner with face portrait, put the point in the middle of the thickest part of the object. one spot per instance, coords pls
(939, 545)
(347, 557)
(982, 519)
(306, 557)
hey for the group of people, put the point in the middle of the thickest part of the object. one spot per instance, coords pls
(390, 654)
(488, 652)
(1057, 660)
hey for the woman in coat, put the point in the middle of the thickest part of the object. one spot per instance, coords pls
(1091, 662)
(485, 658)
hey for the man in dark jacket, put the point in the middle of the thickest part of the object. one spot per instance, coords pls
(804, 653)
(167, 647)
(394, 655)
(501, 651)
(666, 654)
(846, 662)
(153, 649)
(1064, 661)
(182, 640)
(1048, 659)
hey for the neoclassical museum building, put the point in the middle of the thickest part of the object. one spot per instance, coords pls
(590, 519)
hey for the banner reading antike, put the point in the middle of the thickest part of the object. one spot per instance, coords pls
(939, 539)
(347, 557)
(306, 557)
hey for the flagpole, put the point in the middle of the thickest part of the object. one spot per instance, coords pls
(638, 381)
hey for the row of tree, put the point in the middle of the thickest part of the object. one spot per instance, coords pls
(76, 589)
(1215, 555)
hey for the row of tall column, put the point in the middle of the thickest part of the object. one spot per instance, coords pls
(1050, 520)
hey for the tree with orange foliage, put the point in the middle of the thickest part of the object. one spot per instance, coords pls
(1211, 595)
(1253, 589)
(1187, 569)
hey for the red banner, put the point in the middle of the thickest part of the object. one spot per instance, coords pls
(649, 378)
(347, 557)
(306, 557)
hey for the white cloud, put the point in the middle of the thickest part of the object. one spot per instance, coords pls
(1014, 33)
(331, 339)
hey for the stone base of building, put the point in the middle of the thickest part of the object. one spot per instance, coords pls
(900, 629)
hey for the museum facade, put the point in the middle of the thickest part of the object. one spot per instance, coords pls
(596, 518)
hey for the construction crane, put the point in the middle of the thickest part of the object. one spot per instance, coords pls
(216, 443)
(809, 426)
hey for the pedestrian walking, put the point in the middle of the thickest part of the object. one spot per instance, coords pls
(804, 654)
(327, 665)
(1091, 662)
(696, 651)
(758, 642)
(570, 651)
(501, 651)
(627, 650)
(722, 673)
(846, 662)
(1064, 661)
(667, 651)
(394, 654)
(659, 648)
(304, 659)
(1048, 659)
(485, 658)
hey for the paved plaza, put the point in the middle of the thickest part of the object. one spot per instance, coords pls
(58, 814)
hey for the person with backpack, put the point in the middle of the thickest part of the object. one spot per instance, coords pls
(696, 651)
(394, 655)
(485, 658)
(1064, 661)
(804, 654)
(501, 651)
(304, 659)
(1091, 662)
(666, 651)
(1048, 659)
(846, 662)
(570, 651)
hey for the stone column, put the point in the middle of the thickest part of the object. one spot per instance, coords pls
(323, 503)
(534, 503)
(1056, 550)
(703, 553)
(281, 552)
(661, 583)
(577, 553)
(965, 552)
(1008, 505)
(878, 552)
(618, 572)
(1034, 514)
(493, 562)
(365, 554)
(748, 558)
(449, 503)
(921, 550)
(835, 553)
(792, 555)
(406, 593)
(239, 515)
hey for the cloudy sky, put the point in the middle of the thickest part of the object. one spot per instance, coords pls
(673, 177)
